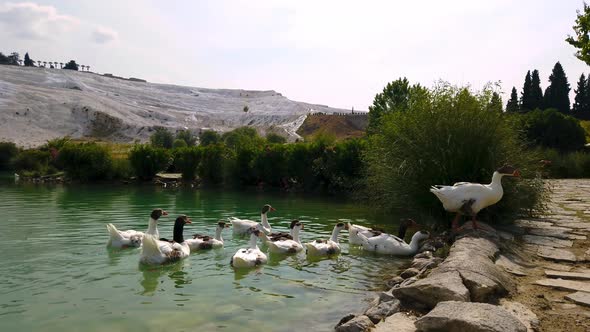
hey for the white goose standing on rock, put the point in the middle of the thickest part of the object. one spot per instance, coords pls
(242, 226)
(469, 198)
(132, 238)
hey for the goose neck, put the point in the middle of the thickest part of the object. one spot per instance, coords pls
(153, 228)
(218, 234)
(496, 180)
(253, 241)
(295, 234)
(264, 221)
(335, 233)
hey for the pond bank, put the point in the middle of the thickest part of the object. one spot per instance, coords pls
(512, 274)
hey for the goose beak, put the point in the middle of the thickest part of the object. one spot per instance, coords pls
(226, 226)
(188, 221)
(164, 213)
(346, 226)
(516, 173)
(272, 209)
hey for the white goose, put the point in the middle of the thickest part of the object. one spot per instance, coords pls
(242, 226)
(159, 252)
(326, 247)
(469, 198)
(251, 256)
(131, 238)
(367, 232)
(200, 242)
(393, 245)
(284, 245)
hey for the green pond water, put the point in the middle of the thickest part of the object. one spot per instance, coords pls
(56, 273)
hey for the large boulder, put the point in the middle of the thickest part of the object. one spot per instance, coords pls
(357, 324)
(438, 287)
(469, 317)
(399, 322)
(382, 310)
(473, 258)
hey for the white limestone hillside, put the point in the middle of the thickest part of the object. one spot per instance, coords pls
(38, 104)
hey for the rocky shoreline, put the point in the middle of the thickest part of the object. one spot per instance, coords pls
(487, 280)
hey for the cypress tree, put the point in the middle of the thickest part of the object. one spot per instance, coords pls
(526, 98)
(536, 92)
(581, 100)
(28, 61)
(495, 104)
(512, 105)
(557, 93)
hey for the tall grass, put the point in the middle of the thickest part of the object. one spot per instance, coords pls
(448, 135)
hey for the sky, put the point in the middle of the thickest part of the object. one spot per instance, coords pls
(336, 53)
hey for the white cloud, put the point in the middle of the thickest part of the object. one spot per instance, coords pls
(102, 35)
(32, 21)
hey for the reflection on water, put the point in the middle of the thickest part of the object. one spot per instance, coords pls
(65, 279)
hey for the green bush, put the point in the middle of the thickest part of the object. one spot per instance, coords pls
(8, 151)
(275, 138)
(211, 169)
(32, 160)
(566, 165)
(271, 165)
(162, 138)
(179, 143)
(121, 169)
(241, 137)
(209, 137)
(147, 160)
(85, 162)
(186, 160)
(552, 129)
(447, 136)
(187, 137)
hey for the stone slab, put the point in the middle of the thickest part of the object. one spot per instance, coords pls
(557, 254)
(581, 298)
(510, 266)
(547, 241)
(522, 313)
(399, 322)
(565, 284)
(576, 225)
(567, 275)
(557, 232)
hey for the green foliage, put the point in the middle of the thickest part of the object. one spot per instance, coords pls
(186, 160)
(162, 138)
(495, 104)
(208, 137)
(512, 105)
(446, 138)
(581, 40)
(557, 93)
(242, 137)
(211, 169)
(396, 96)
(552, 129)
(582, 99)
(85, 162)
(275, 138)
(567, 165)
(179, 143)
(187, 137)
(121, 169)
(33, 161)
(246, 109)
(526, 101)
(8, 151)
(56, 143)
(536, 99)
(147, 160)
(72, 65)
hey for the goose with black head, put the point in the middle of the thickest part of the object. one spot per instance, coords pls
(326, 247)
(285, 245)
(201, 242)
(242, 226)
(157, 252)
(251, 256)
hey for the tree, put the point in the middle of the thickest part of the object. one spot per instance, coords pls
(536, 91)
(3, 59)
(396, 96)
(162, 138)
(87, 68)
(39, 63)
(72, 65)
(526, 101)
(275, 138)
(209, 137)
(581, 40)
(246, 109)
(187, 137)
(557, 93)
(28, 61)
(61, 65)
(553, 129)
(582, 94)
(495, 104)
(512, 105)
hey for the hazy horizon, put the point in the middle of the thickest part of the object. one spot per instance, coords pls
(332, 52)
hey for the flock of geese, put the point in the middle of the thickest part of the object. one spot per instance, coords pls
(156, 250)
(463, 198)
